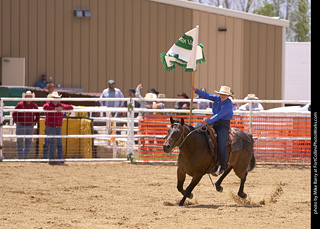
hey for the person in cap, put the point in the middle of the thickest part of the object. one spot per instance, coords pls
(222, 110)
(182, 105)
(25, 122)
(53, 122)
(255, 106)
(43, 83)
(111, 92)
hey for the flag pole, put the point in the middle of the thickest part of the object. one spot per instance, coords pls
(191, 104)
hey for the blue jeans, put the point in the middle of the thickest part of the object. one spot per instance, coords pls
(222, 129)
(52, 144)
(24, 144)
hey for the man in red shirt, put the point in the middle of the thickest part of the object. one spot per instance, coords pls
(53, 122)
(25, 122)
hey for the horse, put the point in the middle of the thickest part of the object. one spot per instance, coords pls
(195, 158)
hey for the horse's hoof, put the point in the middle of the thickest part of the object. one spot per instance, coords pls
(219, 188)
(181, 203)
(190, 196)
(242, 195)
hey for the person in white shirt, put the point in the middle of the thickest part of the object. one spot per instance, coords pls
(111, 92)
(255, 106)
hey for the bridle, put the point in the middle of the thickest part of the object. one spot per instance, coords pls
(181, 135)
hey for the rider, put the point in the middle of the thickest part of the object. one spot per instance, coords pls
(222, 110)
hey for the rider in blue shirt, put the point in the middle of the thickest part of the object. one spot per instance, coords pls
(222, 110)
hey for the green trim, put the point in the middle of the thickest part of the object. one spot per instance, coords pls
(163, 60)
(185, 42)
(183, 64)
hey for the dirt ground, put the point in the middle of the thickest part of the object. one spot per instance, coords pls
(122, 195)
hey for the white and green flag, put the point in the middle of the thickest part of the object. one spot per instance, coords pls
(186, 52)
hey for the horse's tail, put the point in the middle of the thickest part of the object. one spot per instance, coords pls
(252, 163)
(253, 158)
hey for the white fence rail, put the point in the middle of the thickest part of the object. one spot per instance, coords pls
(111, 137)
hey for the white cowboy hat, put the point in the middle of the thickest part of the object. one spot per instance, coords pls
(54, 95)
(251, 97)
(224, 90)
(28, 93)
(150, 96)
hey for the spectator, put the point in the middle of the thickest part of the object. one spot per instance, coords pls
(132, 94)
(43, 83)
(255, 106)
(53, 122)
(203, 105)
(111, 92)
(182, 105)
(50, 88)
(25, 122)
(152, 94)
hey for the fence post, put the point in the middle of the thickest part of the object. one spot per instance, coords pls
(130, 131)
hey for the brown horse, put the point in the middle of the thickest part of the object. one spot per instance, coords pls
(195, 158)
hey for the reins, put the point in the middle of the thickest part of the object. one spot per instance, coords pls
(185, 138)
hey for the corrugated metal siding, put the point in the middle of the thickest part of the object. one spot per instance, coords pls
(123, 41)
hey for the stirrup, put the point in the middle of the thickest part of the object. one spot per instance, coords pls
(218, 172)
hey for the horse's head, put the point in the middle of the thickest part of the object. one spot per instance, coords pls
(174, 136)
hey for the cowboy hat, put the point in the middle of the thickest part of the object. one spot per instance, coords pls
(54, 95)
(150, 96)
(251, 97)
(28, 93)
(224, 90)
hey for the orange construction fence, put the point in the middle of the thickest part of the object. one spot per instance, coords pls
(279, 139)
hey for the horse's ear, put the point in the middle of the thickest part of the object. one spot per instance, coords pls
(171, 120)
(182, 121)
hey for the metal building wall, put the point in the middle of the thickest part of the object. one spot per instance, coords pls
(123, 40)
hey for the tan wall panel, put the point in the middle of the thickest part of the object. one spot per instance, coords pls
(58, 42)
(93, 47)
(170, 39)
(41, 44)
(24, 36)
(262, 66)
(254, 49)
(237, 82)
(15, 15)
(84, 42)
(6, 23)
(162, 46)
(110, 42)
(229, 47)
(123, 41)
(102, 45)
(67, 44)
(33, 40)
(136, 42)
(204, 39)
(144, 58)
(119, 44)
(187, 25)
(278, 62)
(128, 47)
(211, 53)
(76, 48)
(153, 47)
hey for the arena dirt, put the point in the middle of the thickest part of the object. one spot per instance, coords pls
(121, 195)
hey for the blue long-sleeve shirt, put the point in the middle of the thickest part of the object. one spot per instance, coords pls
(221, 110)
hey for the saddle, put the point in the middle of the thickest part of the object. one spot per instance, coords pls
(234, 143)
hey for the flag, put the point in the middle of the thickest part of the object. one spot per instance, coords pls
(186, 52)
